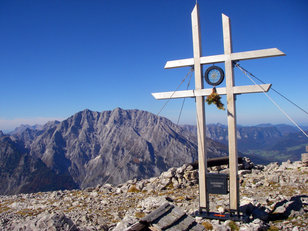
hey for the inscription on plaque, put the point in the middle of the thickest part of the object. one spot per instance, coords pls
(217, 183)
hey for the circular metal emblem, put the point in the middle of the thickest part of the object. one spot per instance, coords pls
(214, 75)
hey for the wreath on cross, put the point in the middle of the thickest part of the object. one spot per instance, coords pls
(215, 99)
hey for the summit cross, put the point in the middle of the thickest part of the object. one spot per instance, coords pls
(230, 90)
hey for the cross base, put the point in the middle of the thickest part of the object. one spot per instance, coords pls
(223, 216)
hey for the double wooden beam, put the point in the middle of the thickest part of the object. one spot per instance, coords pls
(205, 92)
(230, 90)
(256, 54)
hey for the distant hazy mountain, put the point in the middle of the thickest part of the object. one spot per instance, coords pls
(37, 127)
(22, 173)
(263, 143)
(24, 127)
(248, 136)
(27, 133)
(93, 147)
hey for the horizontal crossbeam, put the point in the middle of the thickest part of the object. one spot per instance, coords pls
(205, 92)
(257, 54)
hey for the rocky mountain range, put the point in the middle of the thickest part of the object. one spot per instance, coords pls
(91, 148)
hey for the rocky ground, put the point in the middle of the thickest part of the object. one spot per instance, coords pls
(274, 197)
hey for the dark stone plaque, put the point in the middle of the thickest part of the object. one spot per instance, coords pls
(217, 183)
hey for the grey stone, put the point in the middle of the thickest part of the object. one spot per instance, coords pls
(304, 158)
(243, 172)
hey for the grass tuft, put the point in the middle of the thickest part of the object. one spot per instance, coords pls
(272, 228)
(233, 226)
(133, 189)
(207, 225)
(139, 214)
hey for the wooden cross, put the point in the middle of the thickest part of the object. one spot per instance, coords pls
(230, 90)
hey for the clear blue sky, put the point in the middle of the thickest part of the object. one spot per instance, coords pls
(58, 57)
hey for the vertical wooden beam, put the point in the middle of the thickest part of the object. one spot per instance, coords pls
(232, 130)
(202, 155)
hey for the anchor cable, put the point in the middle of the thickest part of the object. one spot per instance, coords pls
(184, 100)
(271, 99)
(272, 89)
(190, 71)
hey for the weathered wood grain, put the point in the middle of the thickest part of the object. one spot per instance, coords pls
(137, 227)
(157, 213)
(183, 224)
(170, 218)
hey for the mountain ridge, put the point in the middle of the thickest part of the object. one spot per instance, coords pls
(114, 146)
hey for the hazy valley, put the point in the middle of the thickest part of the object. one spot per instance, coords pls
(263, 143)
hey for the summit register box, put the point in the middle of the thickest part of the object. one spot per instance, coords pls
(217, 183)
